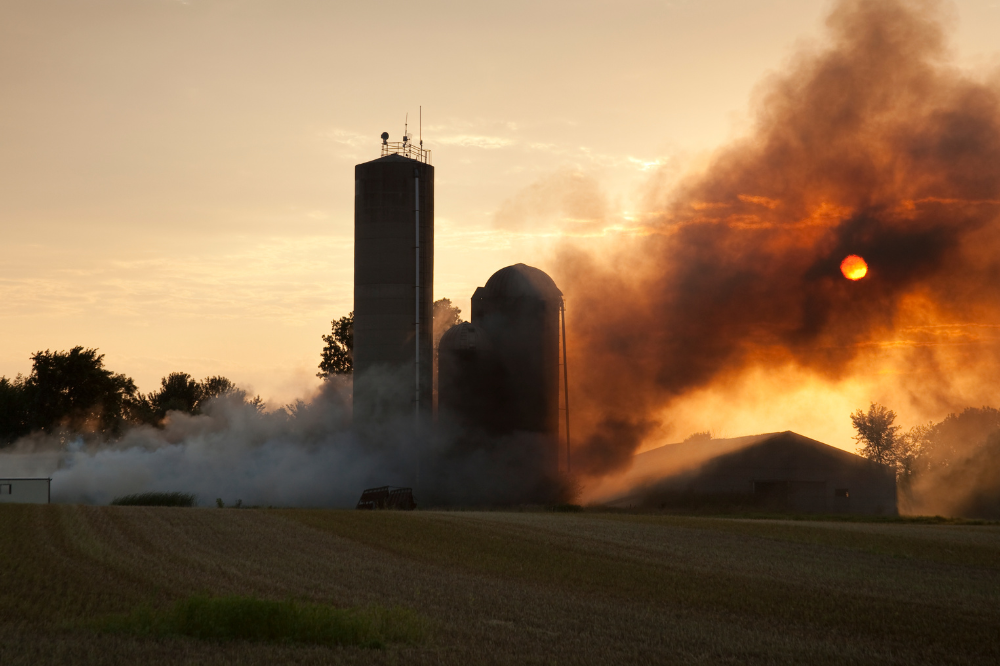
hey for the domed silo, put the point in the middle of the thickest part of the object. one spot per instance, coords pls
(519, 311)
(470, 379)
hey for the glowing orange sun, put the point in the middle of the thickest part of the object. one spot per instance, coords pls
(853, 267)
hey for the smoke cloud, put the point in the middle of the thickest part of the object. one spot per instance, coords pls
(570, 195)
(308, 454)
(305, 456)
(874, 145)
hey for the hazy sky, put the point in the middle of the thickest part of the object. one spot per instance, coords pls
(176, 178)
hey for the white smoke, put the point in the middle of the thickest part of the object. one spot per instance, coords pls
(307, 455)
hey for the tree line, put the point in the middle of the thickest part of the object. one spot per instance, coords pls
(971, 437)
(73, 391)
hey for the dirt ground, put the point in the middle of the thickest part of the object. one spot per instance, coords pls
(509, 587)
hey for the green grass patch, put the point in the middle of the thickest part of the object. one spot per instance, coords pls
(234, 618)
(155, 499)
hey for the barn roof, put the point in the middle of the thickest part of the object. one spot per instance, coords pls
(699, 451)
(780, 450)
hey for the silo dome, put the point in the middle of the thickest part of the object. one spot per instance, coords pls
(520, 281)
(464, 337)
(519, 310)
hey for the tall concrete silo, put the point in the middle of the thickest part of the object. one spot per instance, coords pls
(393, 283)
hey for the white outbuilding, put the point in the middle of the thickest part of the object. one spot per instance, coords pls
(25, 491)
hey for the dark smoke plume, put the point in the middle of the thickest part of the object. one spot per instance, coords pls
(874, 145)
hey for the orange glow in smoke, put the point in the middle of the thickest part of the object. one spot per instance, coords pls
(853, 267)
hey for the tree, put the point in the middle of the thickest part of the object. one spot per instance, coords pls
(180, 392)
(337, 357)
(445, 316)
(958, 435)
(74, 390)
(911, 453)
(14, 416)
(877, 437)
(220, 387)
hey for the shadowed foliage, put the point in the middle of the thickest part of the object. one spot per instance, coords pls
(13, 410)
(155, 499)
(337, 357)
(445, 315)
(72, 392)
(180, 392)
(67, 390)
(877, 437)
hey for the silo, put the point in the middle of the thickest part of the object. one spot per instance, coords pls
(519, 311)
(393, 283)
(471, 381)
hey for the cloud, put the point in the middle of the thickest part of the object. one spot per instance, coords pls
(569, 200)
(475, 141)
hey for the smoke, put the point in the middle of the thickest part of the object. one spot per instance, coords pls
(306, 455)
(953, 467)
(572, 196)
(873, 145)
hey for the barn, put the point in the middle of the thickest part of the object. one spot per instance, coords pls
(25, 491)
(781, 471)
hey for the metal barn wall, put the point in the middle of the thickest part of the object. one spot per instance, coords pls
(387, 191)
(24, 491)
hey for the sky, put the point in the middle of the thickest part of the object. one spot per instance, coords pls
(176, 178)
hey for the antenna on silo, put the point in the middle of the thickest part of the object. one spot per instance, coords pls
(421, 127)
(406, 124)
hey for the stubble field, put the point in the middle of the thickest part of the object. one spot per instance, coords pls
(515, 587)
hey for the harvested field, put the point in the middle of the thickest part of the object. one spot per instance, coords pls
(529, 587)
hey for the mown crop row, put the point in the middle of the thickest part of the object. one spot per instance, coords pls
(151, 584)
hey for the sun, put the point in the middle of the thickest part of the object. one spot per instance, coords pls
(853, 267)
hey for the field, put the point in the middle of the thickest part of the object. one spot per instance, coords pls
(508, 588)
